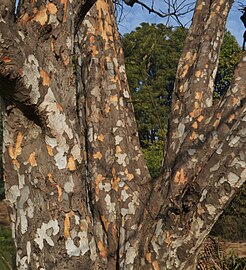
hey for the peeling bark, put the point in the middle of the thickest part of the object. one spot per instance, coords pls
(81, 196)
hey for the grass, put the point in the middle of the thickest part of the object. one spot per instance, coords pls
(7, 250)
(233, 262)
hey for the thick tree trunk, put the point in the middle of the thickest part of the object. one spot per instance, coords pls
(80, 192)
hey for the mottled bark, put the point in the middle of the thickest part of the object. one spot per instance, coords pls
(80, 192)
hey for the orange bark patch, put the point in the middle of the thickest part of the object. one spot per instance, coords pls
(115, 233)
(107, 108)
(231, 117)
(192, 114)
(51, 8)
(32, 159)
(85, 155)
(181, 88)
(197, 105)
(66, 231)
(99, 179)
(52, 46)
(59, 191)
(180, 177)
(18, 144)
(41, 16)
(94, 50)
(156, 265)
(115, 181)
(97, 155)
(102, 249)
(16, 163)
(113, 98)
(168, 238)
(49, 150)
(198, 73)
(193, 136)
(235, 101)
(6, 59)
(219, 115)
(71, 164)
(51, 179)
(46, 79)
(198, 95)
(91, 39)
(65, 58)
(118, 149)
(14, 152)
(200, 118)
(130, 177)
(101, 137)
(217, 121)
(148, 257)
(104, 23)
(64, 2)
(24, 18)
(185, 70)
(197, 111)
(195, 125)
(105, 222)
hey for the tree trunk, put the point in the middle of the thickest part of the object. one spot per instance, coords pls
(81, 196)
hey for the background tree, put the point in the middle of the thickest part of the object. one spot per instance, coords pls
(76, 181)
(229, 57)
(151, 54)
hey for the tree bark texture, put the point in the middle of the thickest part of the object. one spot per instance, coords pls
(81, 196)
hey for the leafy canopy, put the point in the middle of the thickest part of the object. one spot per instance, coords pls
(152, 53)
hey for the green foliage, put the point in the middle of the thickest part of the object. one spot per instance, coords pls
(7, 250)
(153, 154)
(230, 55)
(151, 54)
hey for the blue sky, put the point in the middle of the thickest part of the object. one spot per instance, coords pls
(132, 17)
